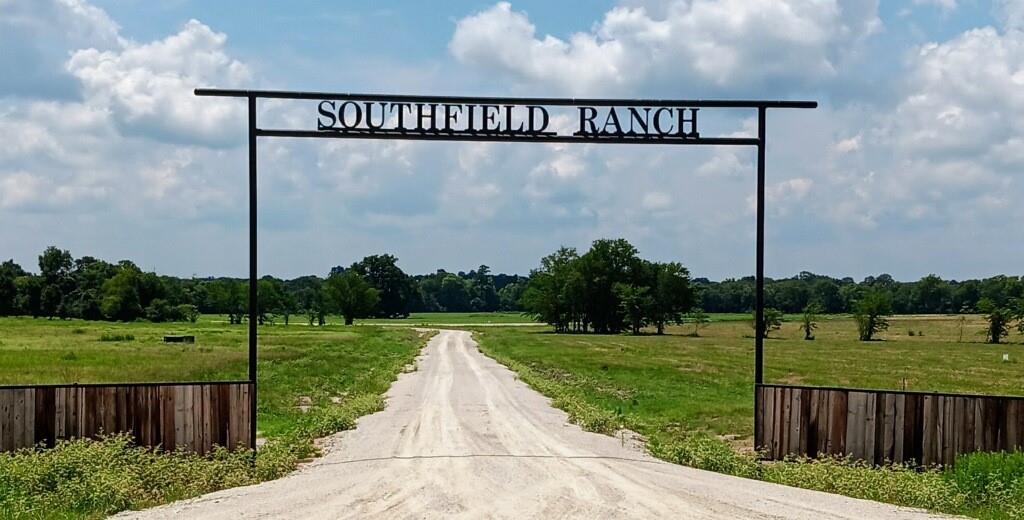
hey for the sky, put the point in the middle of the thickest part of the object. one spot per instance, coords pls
(911, 164)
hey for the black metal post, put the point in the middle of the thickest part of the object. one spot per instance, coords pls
(253, 282)
(759, 291)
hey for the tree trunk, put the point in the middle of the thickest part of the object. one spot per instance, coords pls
(349, 320)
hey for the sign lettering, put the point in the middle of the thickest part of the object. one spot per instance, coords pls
(511, 120)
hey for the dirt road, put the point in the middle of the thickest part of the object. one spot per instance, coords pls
(462, 437)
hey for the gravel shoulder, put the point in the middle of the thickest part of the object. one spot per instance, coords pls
(463, 437)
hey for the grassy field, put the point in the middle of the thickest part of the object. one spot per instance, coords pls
(672, 389)
(687, 394)
(339, 372)
(677, 383)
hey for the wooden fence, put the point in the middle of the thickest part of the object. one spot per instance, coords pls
(192, 416)
(879, 426)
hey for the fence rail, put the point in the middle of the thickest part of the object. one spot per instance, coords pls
(192, 416)
(880, 426)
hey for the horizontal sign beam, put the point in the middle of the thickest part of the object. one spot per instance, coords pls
(506, 137)
(710, 103)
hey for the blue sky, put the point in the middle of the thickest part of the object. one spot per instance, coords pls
(911, 165)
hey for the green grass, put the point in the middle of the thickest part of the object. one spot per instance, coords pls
(340, 371)
(688, 394)
(680, 383)
(685, 394)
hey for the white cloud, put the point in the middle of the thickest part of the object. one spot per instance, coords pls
(148, 87)
(851, 144)
(717, 44)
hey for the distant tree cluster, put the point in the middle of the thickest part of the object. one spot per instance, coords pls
(92, 289)
(607, 290)
(929, 295)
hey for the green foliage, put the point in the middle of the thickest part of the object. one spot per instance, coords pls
(188, 312)
(871, 312)
(999, 319)
(707, 453)
(94, 478)
(350, 295)
(607, 290)
(990, 477)
(896, 484)
(121, 300)
(809, 320)
(699, 319)
(772, 320)
(397, 290)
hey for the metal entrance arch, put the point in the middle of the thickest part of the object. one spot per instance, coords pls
(492, 112)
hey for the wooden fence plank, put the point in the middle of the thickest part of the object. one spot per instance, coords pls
(899, 421)
(793, 434)
(6, 432)
(29, 437)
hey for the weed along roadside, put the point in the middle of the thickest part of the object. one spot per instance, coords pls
(690, 399)
(313, 382)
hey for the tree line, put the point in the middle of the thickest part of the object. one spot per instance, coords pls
(94, 289)
(606, 289)
(929, 295)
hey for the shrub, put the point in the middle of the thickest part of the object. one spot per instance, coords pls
(990, 479)
(772, 320)
(93, 478)
(998, 319)
(708, 453)
(188, 312)
(900, 485)
(871, 312)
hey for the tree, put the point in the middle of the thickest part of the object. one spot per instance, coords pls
(510, 295)
(931, 295)
(121, 296)
(772, 320)
(230, 297)
(871, 312)
(55, 269)
(699, 319)
(188, 312)
(671, 294)
(30, 288)
(998, 318)
(351, 295)
(810, 320)
(271, 294)
(607, 263)
(635, 302)
(89, 276)
(482, 289)
(550, 293)
(453, 294)
(397, 289)
(9, 273)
